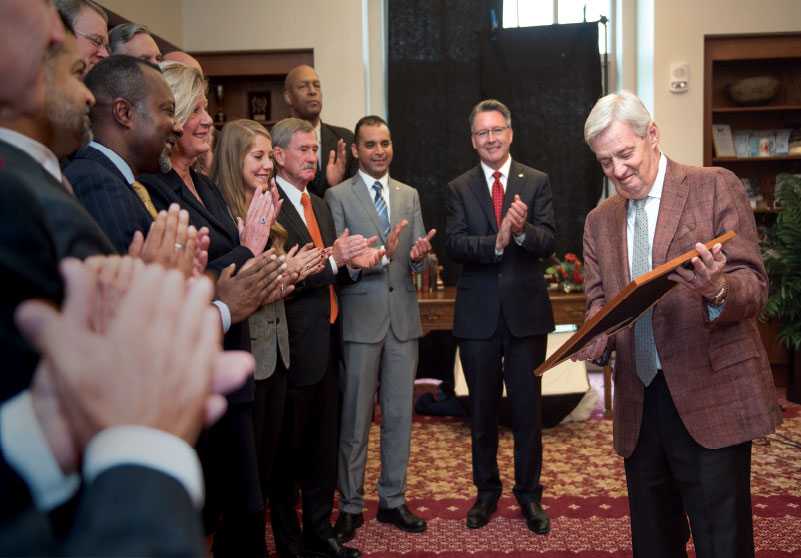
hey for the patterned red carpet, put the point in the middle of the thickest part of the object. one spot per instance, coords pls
(585, 495)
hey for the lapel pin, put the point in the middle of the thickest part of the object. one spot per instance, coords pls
(520, 175)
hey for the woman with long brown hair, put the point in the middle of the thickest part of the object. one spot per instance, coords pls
(243, 167)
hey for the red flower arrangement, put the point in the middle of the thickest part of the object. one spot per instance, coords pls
(568, 274)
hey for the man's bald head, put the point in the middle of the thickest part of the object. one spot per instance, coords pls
(183, 58)
(303, 94)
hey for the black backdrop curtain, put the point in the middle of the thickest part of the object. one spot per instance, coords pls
(443, 58)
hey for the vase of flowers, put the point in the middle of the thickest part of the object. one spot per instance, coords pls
(567, 274)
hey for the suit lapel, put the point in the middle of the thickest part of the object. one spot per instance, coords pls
(618, 251)
(98, 156)
(360, 192)
(671, 206)
(514, 185)
(292, 218)
(478, 185)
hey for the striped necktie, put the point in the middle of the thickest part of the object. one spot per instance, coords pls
(381, 207)
(145, 197)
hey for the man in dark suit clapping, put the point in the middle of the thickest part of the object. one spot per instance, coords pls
(307, 447)
(499, 224)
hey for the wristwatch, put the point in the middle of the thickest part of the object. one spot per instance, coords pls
(718, 299)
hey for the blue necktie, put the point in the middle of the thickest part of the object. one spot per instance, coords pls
(381, 207)
(644, 345)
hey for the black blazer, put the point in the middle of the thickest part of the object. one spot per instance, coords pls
(224, 247)
(329, 136)
(308, 308)
(73, 230)
(513, 283)
(158, 519)
(108, 197)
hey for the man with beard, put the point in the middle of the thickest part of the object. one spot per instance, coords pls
(59, 128)
(133, 121)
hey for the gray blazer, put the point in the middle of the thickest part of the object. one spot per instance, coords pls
(385, 295)
(268, 335)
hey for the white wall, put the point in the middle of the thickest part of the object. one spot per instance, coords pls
(332, 28)
(678, 36)
(163, 17)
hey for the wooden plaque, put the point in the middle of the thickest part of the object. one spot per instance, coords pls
(627, 307)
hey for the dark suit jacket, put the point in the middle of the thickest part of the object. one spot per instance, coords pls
(717, 372)
(75, 233)
(329, 136)
(102, 189)
(308, 308)
(224, 247)
(157, 519)
(511, 284)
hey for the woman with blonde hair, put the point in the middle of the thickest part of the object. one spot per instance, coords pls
(234, 509)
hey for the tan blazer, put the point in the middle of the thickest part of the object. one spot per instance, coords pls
(268, 336)
(717, 372)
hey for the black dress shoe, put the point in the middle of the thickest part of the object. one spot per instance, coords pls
(479, 514)
(332, 548)
(536, 518)
(346, 525)
(401, 518)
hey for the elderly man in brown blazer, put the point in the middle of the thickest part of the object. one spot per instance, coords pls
(693, 385)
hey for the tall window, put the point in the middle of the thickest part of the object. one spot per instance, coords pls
(526, 13)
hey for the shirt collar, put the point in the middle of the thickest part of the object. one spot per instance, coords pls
(291, 192)
(118, 161)
(369, 180)
(39, 152)
(504, 170)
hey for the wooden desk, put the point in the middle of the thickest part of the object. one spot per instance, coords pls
(436, 308)
(436, 313)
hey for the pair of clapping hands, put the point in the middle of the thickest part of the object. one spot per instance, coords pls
(133, 344)
(356, 251)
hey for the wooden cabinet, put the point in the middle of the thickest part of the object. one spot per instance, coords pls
(245, 74)
(728, 59)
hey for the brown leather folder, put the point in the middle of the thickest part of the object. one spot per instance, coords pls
(627, 307)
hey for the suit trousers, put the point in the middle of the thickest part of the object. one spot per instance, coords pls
(307, 456)
(268, 410)
(488, 364)
(669, 474)
(393, 363)
(234, 507)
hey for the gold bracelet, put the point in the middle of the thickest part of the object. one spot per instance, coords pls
(718, 299)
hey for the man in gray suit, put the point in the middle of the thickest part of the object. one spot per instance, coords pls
(381, 324)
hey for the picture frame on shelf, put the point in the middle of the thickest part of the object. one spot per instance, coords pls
(741, 142)
(259, 106)
(783, 142)
(723, 140)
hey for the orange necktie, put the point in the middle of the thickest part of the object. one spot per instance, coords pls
(314, 231)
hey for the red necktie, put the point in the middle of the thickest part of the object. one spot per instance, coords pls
(314, 231)
(497, 196)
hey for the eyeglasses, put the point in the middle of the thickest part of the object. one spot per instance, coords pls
(95, 40)
(484, 134)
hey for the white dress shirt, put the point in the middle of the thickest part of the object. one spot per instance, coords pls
(294, 195)
(40, 153)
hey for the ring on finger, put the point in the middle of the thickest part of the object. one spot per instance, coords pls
(695, 276)
(262, 220)
(178, 245)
